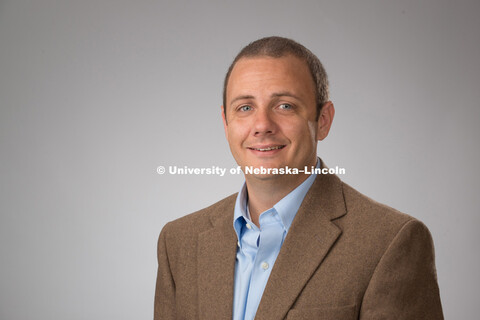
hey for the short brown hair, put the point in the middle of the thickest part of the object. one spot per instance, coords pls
(277, 47)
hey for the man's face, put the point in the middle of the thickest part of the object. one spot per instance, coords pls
(271, 113)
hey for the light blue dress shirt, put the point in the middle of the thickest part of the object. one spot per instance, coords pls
(258, 248)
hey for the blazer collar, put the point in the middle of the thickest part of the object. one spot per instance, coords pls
(307, 243)
(216, 254)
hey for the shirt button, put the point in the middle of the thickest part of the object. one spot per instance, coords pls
(249, 226)
(238, 243)
(264, 265)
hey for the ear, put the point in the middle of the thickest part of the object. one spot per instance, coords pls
(325, 120)
(224, 122)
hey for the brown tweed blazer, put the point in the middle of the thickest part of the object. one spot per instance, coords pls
(345, 257)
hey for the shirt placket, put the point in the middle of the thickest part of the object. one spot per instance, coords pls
(270, 241)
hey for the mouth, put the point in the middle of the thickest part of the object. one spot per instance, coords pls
(266, 148)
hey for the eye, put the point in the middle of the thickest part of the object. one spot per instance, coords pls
(285, 106)
(245, 108)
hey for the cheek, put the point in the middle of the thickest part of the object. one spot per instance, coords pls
(236, 134)
(301, 132)
(312, 128)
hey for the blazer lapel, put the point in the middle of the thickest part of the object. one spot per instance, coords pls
(308, 241)
(216, 254)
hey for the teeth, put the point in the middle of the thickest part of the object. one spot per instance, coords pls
(268, 149)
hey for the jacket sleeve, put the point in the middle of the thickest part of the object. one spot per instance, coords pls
(165, 288)
(404, 283)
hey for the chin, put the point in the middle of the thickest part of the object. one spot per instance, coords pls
(266, 177)
(268, 164)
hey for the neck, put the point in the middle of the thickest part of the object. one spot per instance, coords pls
(264, 193)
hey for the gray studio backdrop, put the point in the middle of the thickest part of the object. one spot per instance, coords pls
(95, 95)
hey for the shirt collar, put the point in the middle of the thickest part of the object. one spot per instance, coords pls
(286, 208)
(240, 212)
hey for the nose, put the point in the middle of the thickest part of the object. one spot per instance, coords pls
(264, 122)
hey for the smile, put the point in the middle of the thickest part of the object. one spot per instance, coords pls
(267, 148)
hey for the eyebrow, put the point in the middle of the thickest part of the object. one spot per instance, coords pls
(273, 95)
(242, 98)
(285, 94)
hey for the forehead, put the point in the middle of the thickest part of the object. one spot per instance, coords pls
(261, 74)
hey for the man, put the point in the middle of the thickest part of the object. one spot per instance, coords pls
(291, 246)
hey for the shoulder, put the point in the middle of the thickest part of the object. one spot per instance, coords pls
(364, 208)
(194, 223)
(378, 224)
(178, 239)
